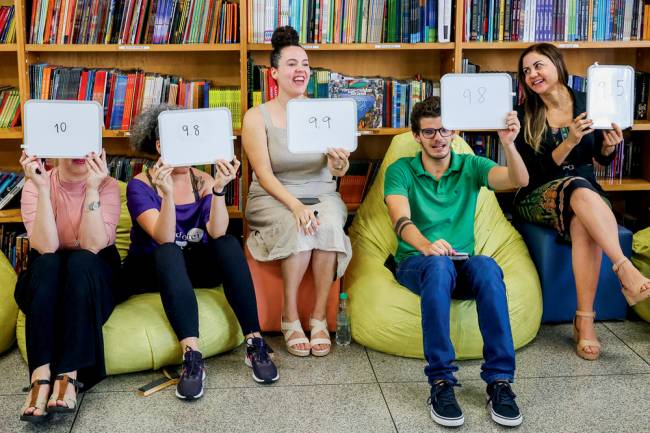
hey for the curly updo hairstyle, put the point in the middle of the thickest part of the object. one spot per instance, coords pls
(144, 131)
(285, 36)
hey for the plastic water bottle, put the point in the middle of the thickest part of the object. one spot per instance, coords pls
(343, 336)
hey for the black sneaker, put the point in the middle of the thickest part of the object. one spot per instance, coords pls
(501, 401)
(190, 384)
(259, 359)
(444, 407)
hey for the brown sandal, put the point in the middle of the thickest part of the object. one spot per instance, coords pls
(71, 403)
(582, 343)
(37, 402)
(631, 295)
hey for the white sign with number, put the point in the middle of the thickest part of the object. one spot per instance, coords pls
(195, 136)
(313, 125)
(475, 101)
(610, 96)
(63, 129)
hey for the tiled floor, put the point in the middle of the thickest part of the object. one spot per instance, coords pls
(359, 390)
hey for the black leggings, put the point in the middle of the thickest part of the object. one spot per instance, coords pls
(67, 296)
(174, 272)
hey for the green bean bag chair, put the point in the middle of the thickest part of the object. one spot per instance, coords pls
(641, 259)
(386, 316)
(8, 307)
(138, 335)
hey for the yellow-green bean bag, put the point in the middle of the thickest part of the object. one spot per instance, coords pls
(641, 259)
(8, 307)
(386, 316)
(138, 335)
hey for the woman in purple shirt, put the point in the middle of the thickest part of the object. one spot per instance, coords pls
(179, 241)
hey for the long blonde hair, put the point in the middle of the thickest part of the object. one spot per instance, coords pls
(534, 108)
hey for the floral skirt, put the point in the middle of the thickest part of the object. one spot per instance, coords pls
(550, 204)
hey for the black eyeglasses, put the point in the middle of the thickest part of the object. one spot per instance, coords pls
(431, 132)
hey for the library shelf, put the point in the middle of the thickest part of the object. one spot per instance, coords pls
(16, 132)
(641, 125)
(474, 45)
(8, 47)
(10, 216)
(100, 48)
(625, 184)
(388, 46)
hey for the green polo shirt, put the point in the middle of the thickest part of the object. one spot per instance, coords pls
(444, 208)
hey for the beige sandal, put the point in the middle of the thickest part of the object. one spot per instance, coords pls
(583, 343)
(37, 402)
(316, 327)
(631, 296)
(289, 328)
(71, 402)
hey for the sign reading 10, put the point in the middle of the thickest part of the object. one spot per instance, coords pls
(61, 127)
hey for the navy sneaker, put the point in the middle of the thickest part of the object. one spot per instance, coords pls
(190, 384)
(502, 405)
(444, 407)
(258, 358)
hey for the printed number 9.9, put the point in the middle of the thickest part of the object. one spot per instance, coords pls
(60, 127)
(191, 131)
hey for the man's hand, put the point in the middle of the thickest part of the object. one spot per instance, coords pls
(438, 248)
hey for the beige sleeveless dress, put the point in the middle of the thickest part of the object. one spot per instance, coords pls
(273, 231)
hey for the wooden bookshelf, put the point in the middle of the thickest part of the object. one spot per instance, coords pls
(8, 48)
(11, 132)
(364, 47)
(10, 216)
(101, 48)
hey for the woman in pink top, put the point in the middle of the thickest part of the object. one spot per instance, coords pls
(70, 214)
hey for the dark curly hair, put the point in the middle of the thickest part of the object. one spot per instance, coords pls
(285, 36)
(430, 107)
(144, 130)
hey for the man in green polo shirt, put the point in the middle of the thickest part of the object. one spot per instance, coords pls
(431, 199)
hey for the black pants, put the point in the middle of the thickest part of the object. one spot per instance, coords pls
(174, 272)
(67, 296)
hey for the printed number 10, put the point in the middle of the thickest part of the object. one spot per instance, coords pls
(60, 127)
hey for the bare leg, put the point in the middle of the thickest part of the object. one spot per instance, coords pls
(323, 266)
(587, 257)
(42, 372)
(69, 391)
(599, 222)
(191, 342)
(293, 271)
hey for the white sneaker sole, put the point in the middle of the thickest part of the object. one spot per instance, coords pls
(199, 395)
(447, 422)
(508, 422)
(257, 379)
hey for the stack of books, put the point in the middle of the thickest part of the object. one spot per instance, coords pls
(9, 107)
(352, 21)
(10, 185)
(14, 244)
(125, 94)
(7, 25)
(134, 21)
(620, 20)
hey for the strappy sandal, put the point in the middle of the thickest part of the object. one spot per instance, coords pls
(583, 343)
(631, 296)
(316, 327)
(289, 328)
(71, 402)
(37, 402)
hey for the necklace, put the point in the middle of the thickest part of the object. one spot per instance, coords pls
(73, 226)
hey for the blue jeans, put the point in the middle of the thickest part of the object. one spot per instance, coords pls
(436, 279)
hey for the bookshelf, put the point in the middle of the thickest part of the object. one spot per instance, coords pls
(226, 65)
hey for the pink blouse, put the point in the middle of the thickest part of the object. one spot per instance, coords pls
(67, 204)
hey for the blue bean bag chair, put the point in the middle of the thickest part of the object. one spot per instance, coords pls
(138, 335)
(386, 316)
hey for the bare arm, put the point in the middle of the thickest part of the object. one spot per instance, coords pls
(580, 127)
(92, 230)
(44, 236)
(219, 218)
(515, 174)
(398, 209)
(161, 225)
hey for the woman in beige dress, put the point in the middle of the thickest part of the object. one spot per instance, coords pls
(294, 212)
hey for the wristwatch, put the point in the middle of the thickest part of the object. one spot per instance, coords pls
(219, 194)
(93, 205)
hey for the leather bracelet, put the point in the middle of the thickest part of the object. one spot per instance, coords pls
(219, 194)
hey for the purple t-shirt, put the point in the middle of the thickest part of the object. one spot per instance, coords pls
(191, 218)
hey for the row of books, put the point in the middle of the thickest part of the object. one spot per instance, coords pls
(352, 21)
(134, 21)
(14, 244)
(620, 20)
(124, 94)
(485, 144)
(9, 107)
(125, 168)
(10, 185)
(354, 186)
(381, 102)
(554, 20)
(627, 162)
(7, 25)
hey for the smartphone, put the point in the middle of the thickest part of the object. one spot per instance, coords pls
(459, 256)
(309, 200)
